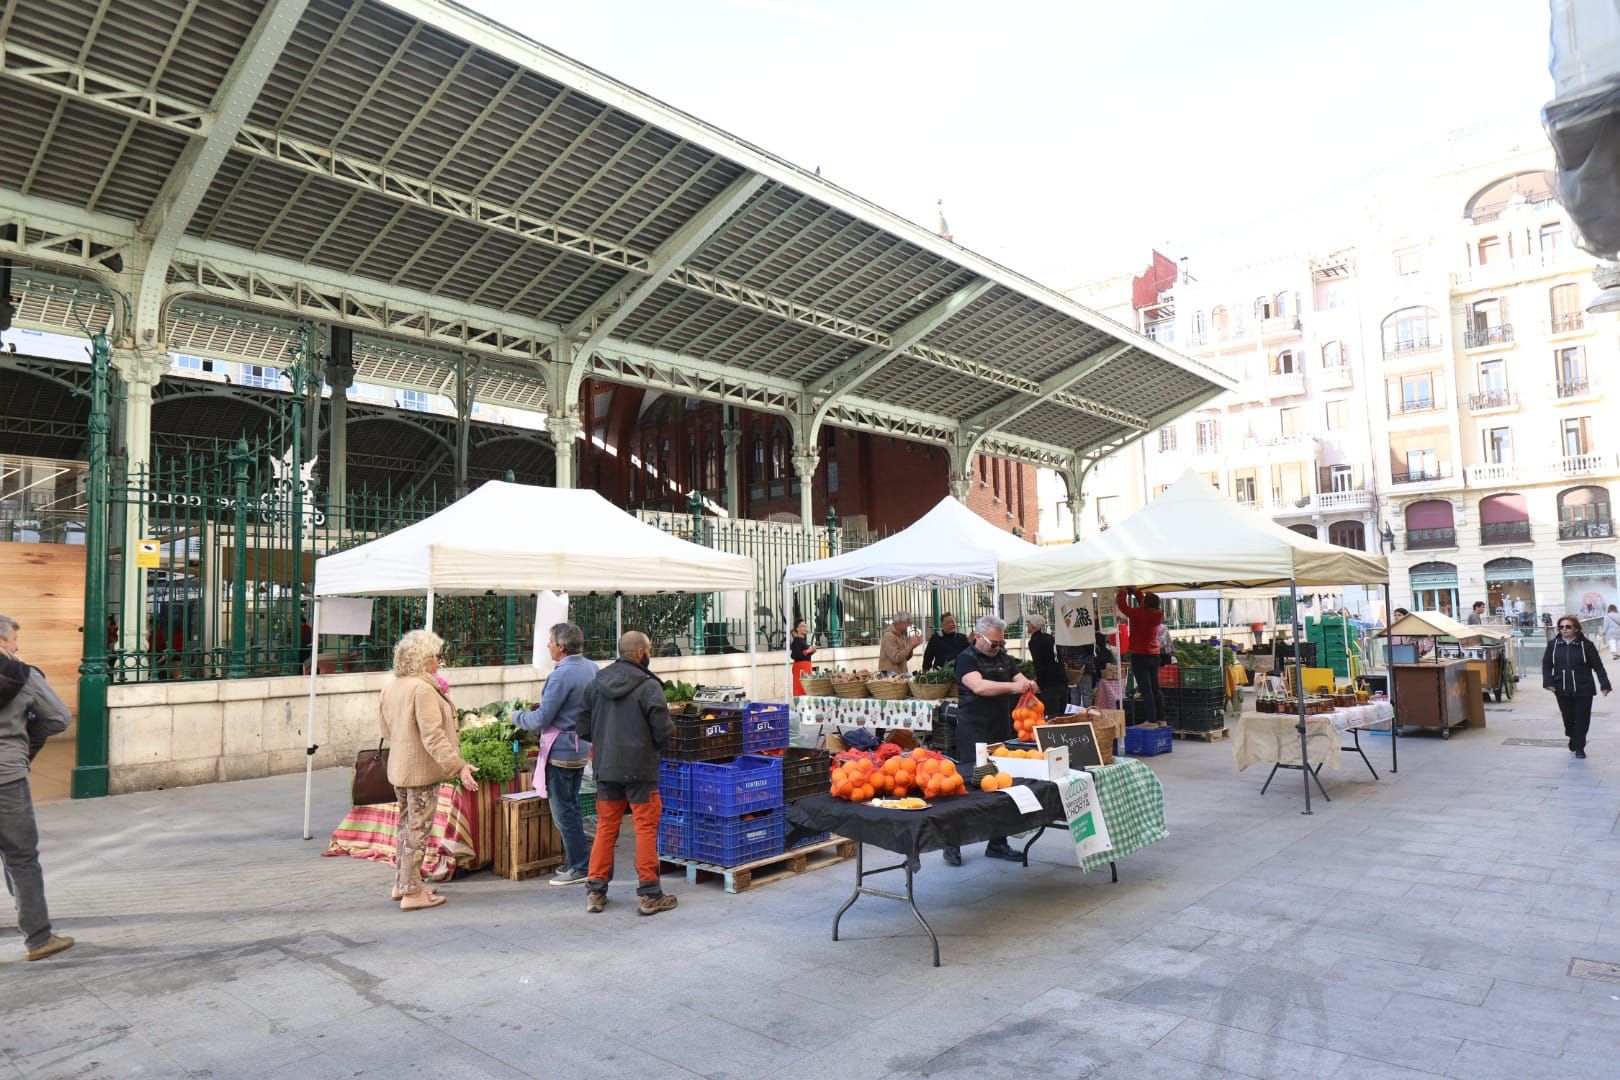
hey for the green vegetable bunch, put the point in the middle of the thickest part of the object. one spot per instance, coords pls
(935, 676)
(1197, 654)
(488, 749)
(676, 692)
(1026, 668)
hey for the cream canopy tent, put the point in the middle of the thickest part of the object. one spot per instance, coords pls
(1437, 624)
(1193, 537)
(509, 539)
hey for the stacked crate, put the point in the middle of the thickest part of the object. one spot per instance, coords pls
(712, 732)
(736, 813)
(805, 772)
(1198, 701)
(1334, 637)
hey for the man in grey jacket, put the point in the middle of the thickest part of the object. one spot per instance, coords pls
(19, 837)
(627, 722)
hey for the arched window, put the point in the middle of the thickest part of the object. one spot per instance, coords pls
(1332, 355)
(984, 469)
(1220, 321)
(1434, 587)
(1283, 363)
(1263, 308)
(995, 478)
(758, 469)
(779, 452)
(1200, 325)
(1348, 534)
(1589, 584)
(1283, 305)
(1430, 524)
(1413, 329)
(1305, 530)
(1533, 188)
(1566, 310)
(1504, 519)
(1510, 589)
(1583, 514)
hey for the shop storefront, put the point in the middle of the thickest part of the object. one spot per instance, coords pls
(1589, 585)
(1434, 588)
(1510, 590)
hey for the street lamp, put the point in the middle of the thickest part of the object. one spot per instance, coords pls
(1607, 278)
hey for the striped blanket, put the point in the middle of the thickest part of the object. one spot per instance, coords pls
(463, 830)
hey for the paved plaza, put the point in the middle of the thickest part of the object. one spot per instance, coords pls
(1419, 925)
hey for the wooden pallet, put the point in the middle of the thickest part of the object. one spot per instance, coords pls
(764, 871)
(1204, 736)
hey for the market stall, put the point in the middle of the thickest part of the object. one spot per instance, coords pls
(516, 539)
(1194, 537)
(1129, 804)
(1430, 665)
(1271, 738)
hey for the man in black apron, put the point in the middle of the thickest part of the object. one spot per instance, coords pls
(988, 684)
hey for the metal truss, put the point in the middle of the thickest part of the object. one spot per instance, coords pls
(1002, 415)
(975, 369)
(681, 375)
(71, 241)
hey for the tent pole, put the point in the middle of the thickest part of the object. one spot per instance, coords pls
(1389, 672)
(753, 657)
(309, 721)
(618, 618)
(787, 613)
(427, 621)
(1220, 645)
(1299, 689)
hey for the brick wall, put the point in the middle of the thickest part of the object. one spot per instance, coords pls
(1003, 493)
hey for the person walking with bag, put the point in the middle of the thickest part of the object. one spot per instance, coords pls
(30, 712)
(627, 721)
(416, 718)
(1573, 670)
(563, 753)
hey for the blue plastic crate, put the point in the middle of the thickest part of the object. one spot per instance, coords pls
(675, 785)
(765, 727)
(731, 841)
(807, 841)
(1148, 742)
(738, 787)
(674, 835)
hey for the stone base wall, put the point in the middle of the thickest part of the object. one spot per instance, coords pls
(181, 733)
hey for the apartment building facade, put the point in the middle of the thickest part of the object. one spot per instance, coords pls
(1434, 389)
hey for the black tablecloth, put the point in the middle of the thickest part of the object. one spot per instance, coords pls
(954, 821)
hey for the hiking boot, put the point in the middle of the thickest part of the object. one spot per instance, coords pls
(1581, 754)
(569, 876)
(652, 905)
(595, 901)
(57, 943)
(1002, 851)
(953, 856)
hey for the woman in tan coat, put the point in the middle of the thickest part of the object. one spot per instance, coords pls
(424, 743)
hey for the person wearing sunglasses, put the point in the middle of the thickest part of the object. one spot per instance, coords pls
(988, 683)
(1573, 670)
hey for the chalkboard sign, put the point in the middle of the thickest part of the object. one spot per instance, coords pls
(1081, 739)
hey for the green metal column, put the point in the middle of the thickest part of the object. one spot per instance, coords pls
(509, 644)
(835, 611)
(90, 766)
(239, 466)
(695, 505)
(304, 368)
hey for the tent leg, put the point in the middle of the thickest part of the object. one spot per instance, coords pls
(309, 721)
(618, 618)
(1299, 691)
(753, 657)
(427, 620)
(787, 614)
(1389, 673)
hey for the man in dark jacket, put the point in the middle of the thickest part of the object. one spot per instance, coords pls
(1572, 669)
(946, 645)
(32, 710)
(627, 723)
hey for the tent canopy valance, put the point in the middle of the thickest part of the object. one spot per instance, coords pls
(947, 547)
(1192, 537)
(1435, 624)
(516, 538)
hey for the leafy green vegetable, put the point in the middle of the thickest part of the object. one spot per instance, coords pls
(935, 676)
(1197, 654)
(1026, 668)
(488, 749)
(676, 692)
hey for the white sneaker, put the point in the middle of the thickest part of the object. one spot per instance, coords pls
(569, 876)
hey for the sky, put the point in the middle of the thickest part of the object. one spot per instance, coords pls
(1068, 139)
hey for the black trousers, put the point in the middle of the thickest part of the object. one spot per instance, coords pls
(1145, 670)
(1577, 712)
(1056, 699)
(967, 736)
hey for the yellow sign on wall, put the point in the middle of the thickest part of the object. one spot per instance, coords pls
(146, 554)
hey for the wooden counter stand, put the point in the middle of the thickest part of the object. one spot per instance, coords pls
(527, 843)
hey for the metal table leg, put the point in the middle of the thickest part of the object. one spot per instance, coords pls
(1316, 774)
(1355, 734)
(1112, 868)
(1270, 777)
(909, 897)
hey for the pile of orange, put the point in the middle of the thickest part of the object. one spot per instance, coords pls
(995, 781)
(920, 772)
(1029, 715)
(1004, 752)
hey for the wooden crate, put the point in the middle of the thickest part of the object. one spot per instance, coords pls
(527, 842)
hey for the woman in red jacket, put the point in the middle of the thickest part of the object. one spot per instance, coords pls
(1145, 619)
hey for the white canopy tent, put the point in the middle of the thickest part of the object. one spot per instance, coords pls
(1193, 537)
(948, 547)
(516, 539)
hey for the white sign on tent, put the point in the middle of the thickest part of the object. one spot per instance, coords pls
(550, 609)
(1076, 621)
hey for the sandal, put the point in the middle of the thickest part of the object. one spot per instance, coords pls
(419, 900)
(397, 894)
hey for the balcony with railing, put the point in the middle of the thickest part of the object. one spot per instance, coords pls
(1496, 473)
(1440, 471)
(1488, 337)
(1587, 530)
(1424, 539)
(1342, 500)
(1573, 388)
(1339, 377)
(1499, 272)
(1408, 346)
(1422, 404)
(1505, 532)
(1492, 400)
(1279, 326)
(1574, 465)
(1207, 447)
(1570, 322)
(1284, 384)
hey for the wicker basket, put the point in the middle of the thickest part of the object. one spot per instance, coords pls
(889, 689)
(680, 708)
(817, 687)
(850, 689)
(931, 691)
(1074, 675)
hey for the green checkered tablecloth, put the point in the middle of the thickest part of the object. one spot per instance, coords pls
(1132, 801)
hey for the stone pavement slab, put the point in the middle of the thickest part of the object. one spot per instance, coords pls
(1420, 925)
